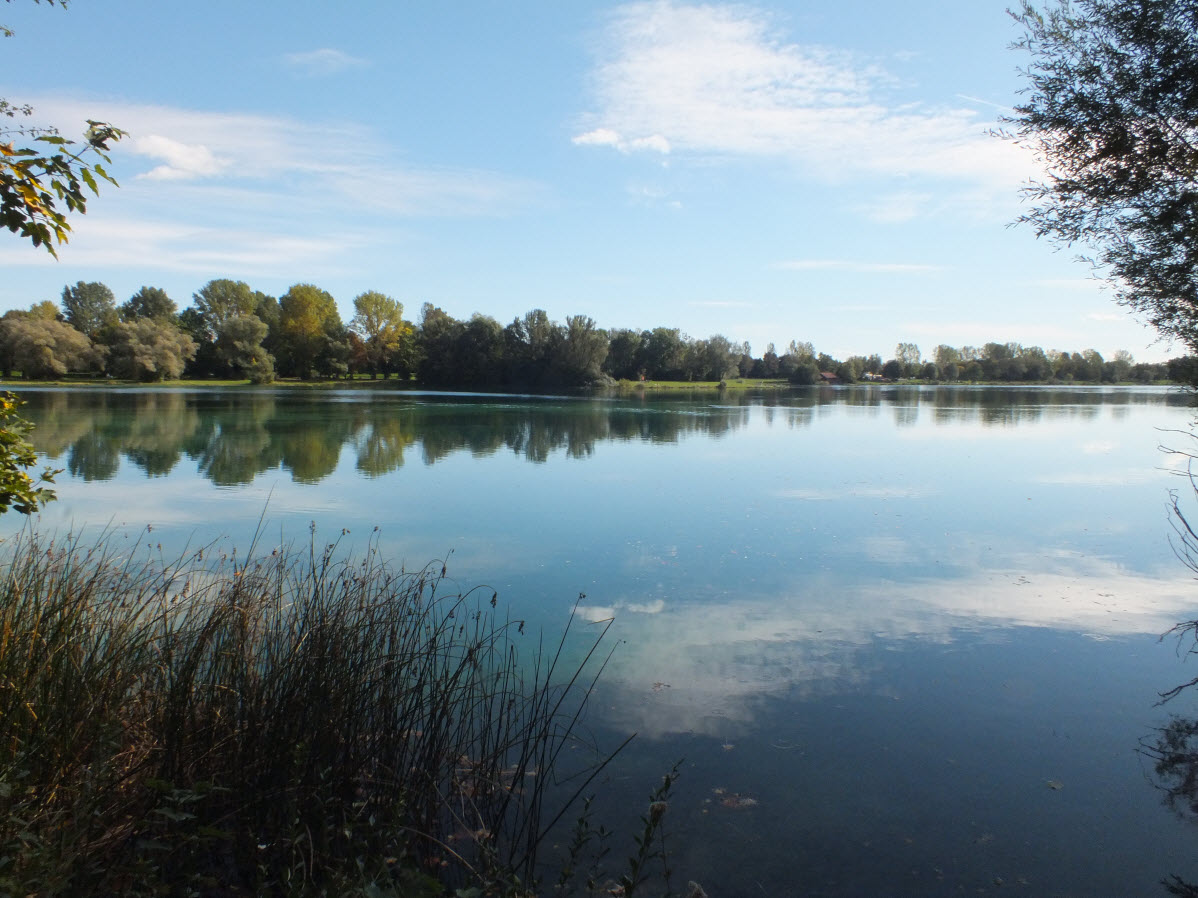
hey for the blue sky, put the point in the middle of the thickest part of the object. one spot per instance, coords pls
(770, 171)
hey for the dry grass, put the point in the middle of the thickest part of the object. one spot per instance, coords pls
(300, 723)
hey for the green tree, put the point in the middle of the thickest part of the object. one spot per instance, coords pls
(17, 488)
(623, 354)
(578, 353)
(221, 299)
(528, 342)
(805, 372)
(769, 362)
(663, 350)
(1112, 110)
(148, 349)
(38, 347)
(239, 348)
(480, 352)
(439, 332)
(89, 307)
(149, 302)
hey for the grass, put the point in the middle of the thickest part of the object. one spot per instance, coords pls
(89, 381)
(300, 723)
(666, 386)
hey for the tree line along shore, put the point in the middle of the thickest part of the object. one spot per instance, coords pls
(231, 331)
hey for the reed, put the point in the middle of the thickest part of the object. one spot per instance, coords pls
(303, 722)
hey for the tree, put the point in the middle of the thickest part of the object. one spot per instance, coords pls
(439, 332)
(769, 362)
(149, 302)
(221, 299)
(17, 488)
(40, 185)
(311, 338)
(148, 349)
(528, 342)
(378, 320)
(39, 348)
(662, 351)
(1112, 112)
(239, 348)
(578, 353)
(909, 356)
(90, 307)
(805, 373)
(46, 310)
(623, 354)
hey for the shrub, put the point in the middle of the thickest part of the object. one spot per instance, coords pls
(299, 723)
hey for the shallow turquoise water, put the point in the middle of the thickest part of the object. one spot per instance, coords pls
(913, 632)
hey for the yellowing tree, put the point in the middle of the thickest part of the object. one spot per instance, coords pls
(378, 320)
(311, 338)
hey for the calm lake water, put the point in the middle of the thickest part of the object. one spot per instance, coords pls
(905, 640)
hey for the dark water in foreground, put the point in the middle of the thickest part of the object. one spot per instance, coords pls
(906, 640)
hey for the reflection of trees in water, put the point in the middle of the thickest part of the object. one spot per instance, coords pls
(232, 444)
(95, 428)
(233, 436)
(93, 457)
(1173, 750)
(153, 438)
(381, 442)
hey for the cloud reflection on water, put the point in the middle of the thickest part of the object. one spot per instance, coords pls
(723, 659)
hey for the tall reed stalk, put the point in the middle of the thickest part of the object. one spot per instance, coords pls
(303, 722)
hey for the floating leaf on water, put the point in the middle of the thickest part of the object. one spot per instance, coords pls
(737, 802)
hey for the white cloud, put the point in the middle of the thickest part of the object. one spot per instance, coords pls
(204, 191)
(294, 159)
(180, 160)
(723, 80)
(858, 267)
(324, 61)
(100, 241)
(605, 137)
(722, 658)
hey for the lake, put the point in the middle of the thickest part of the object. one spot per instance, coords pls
(904, 640)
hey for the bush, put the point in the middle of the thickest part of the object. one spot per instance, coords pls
(302, 723)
